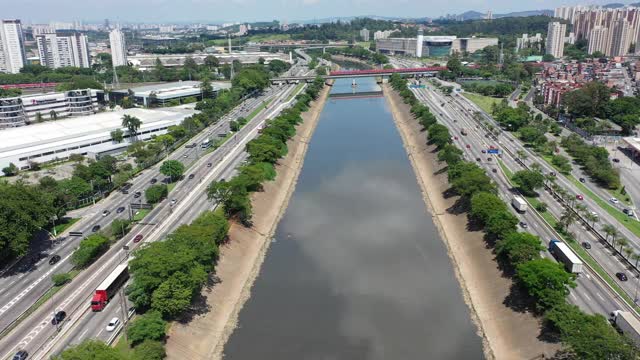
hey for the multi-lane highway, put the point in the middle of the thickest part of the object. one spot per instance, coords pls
(591, 294)
(35, 332)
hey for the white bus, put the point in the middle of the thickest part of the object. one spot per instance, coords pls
(206, 143)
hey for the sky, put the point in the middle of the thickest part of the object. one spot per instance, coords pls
(212, 11)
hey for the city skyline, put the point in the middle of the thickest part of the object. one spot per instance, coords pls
(38, 11)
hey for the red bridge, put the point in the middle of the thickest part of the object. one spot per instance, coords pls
(29, 86)
(378, 72)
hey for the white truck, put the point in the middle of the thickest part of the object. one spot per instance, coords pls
(519, 204)
(564, 254)
(628, 324)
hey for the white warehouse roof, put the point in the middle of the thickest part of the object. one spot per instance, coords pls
(86, 132)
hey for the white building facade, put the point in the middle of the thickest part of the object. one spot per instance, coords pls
(12, 54)
(118, 48)
(58, 51)
(555, 39)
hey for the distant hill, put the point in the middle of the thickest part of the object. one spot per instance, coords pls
(613, 6)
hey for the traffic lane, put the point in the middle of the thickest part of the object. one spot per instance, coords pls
(582, 296)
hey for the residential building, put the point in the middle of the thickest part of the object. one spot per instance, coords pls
(382, 34)
(599, 40)
(26, 109)
(63, 50)
(555, 39)
(526, 42)
(12, 54)
(118, 48)
(620, 38)
(364, 34)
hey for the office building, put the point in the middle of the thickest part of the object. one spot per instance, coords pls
(12, 54)
(27, 109)
(364, 34)
(63, 50)
(432, 46)
(166, 93)
(118, 48)
(555, 39)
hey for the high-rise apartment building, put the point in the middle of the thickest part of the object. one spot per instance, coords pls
(599, 40)
(364, 34)
(620, 34)
(118, 48)
(555, 39)
(58, 51)
(12, 54)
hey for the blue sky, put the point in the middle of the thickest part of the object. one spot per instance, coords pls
(252, 10)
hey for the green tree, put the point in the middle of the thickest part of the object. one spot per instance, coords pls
(155, 193)
(234, 125)
(117, 135)
(528, 181)
(173, 296)
(206, 88)
(438, 135)
(10, 170)
(454, 65)
(132, 124)
(484, 205)
(546, 281)
(548, 58)
(120, 227)
(172, 168)
(588, 336)
(60, 279)
(211, 62)
(519, 247)
(562, 163)
(149, 326)
(450, 154)
(91, 350)
(90, 248)
(149, 350)
(501, 224)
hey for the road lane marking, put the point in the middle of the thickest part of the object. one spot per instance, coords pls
(600, 296)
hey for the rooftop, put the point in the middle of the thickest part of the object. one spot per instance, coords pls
(53, 133)
(174, 89)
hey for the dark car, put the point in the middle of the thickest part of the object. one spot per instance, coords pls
(209, 164)
(494, 170)
(58, 317)
(621, 276)
(489, 159)
(616, 160)
(95, 228)
(483, 151)
(626, 211)
(582, 180)
(552, 173)
(154, 180)
(477, 159)
(54, 259)
(21, 355)
(120, 209)
(192, 176)
(586, 245)
(137, 238)
(137, 194)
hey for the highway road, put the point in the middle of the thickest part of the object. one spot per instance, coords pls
(31, 332)
(591, 294)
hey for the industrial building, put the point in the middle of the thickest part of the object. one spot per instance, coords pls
(26, 109)
(144, 62)
(162, 94)
(86, 135)
(432, 46)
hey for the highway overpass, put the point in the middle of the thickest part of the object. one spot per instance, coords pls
(423, 71)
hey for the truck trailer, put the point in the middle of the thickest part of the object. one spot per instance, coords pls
(109, 287)
(519, 204)
(628, 324)
(563, 253)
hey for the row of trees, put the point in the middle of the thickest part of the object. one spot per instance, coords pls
(360, 53)
(264, 152)
(546, 282)
(594, 159)
(497, 89)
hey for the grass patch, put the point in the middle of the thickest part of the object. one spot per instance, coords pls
(484, 102)
(141, 214)
(505, 170)
(123, 347)
(295, 92)
(628, 222)
(617, 193)
(59, 228)
(171, 186)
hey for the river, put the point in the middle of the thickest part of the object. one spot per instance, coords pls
(357, 269)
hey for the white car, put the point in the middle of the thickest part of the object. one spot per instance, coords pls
(614, 201)
(113, 324)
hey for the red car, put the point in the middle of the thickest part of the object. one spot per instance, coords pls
(579, 197)
(468, 146)
(455, 138)
(137, 238)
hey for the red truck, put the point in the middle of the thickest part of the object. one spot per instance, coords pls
(108, 288)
